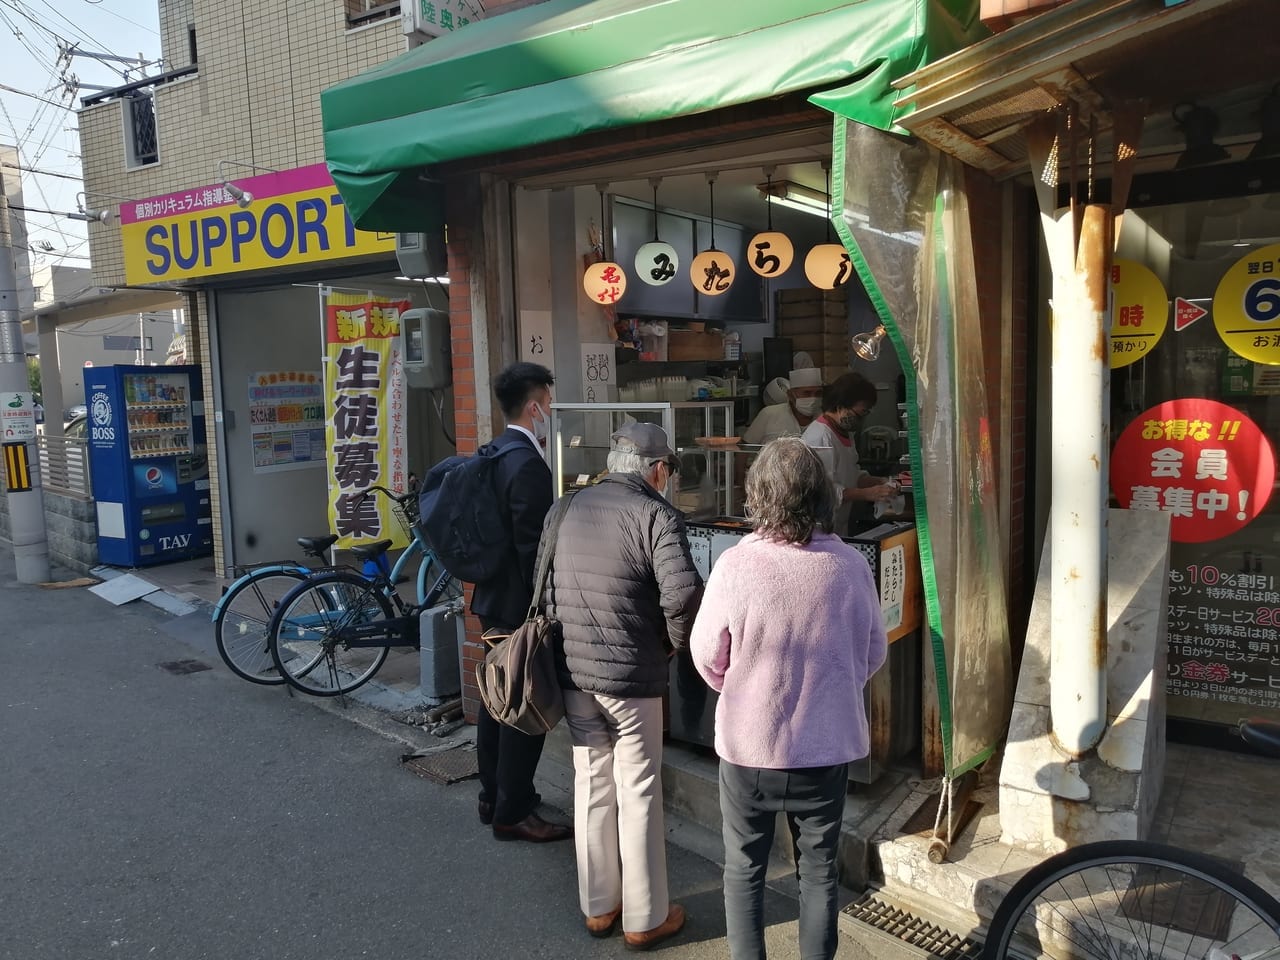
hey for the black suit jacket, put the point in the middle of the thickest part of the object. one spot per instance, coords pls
(525, 494)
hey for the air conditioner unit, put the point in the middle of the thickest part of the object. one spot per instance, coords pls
(421, 255)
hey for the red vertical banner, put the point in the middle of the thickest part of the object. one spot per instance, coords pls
(364, 415)
(1205, 463)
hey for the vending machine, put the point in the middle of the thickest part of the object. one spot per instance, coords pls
(148, 461)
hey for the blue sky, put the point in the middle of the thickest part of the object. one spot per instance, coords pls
(31, 32)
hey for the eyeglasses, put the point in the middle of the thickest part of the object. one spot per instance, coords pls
(672, 465)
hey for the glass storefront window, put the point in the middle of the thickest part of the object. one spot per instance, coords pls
(1195, 418)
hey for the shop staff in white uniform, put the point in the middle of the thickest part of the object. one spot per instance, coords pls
(803, 404)
(844, 403)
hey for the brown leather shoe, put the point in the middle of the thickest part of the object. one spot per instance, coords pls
(663, 931)
(534, 829)
(603, 925)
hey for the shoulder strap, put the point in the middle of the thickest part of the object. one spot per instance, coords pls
(548, 553)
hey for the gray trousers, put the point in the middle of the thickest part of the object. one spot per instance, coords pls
(618, 829)
(750, 800)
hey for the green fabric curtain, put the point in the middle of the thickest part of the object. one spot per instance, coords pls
(562, 68)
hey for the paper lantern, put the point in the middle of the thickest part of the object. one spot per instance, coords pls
(605, 282)
(770, 253)
(712, 272)
(828, 266)
(657, 263)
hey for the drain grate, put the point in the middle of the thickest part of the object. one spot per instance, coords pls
(904, 926)
(448, 766)
(183, 666)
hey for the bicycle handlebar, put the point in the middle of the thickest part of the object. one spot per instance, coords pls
(400, 498)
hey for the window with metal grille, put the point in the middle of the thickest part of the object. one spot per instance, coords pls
(140, 141)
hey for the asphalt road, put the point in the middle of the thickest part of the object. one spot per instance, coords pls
(145, 814)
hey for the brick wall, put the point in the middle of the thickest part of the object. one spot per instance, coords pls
(464, 398)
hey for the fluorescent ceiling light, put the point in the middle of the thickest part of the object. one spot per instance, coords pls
(443, 280)
(796, 196)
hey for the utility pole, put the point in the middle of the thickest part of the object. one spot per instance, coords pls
(26, 506)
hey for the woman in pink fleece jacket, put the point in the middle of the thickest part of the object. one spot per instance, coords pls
(789, 632)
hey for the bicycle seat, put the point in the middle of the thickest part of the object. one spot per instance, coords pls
(1262, 735)
(316, 546)
(371, 551)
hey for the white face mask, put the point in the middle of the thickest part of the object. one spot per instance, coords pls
(541, 425)
(809, 406)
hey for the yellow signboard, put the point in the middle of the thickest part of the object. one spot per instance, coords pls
(1140, 312)
(1246, 306)
(278, 219)
(364, 392)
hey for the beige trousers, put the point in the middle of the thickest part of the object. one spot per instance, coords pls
(618, 826)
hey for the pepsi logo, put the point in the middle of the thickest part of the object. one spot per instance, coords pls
(153, 476)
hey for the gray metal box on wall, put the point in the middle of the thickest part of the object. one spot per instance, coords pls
(441, 631)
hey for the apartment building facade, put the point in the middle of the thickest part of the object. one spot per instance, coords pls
(237, 109)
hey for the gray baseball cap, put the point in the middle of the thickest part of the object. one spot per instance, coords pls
(650, 440)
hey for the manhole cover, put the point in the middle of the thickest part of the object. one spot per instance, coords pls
(183, 666)
(448, 766)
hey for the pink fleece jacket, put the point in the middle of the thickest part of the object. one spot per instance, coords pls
(789, 634)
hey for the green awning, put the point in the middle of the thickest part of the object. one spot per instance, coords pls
(562, 68)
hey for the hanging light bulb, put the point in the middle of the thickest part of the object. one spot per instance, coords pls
(866, 346)
(656, 261)
(604, 281)
(770, 252)
(828, 265)
(712, 271)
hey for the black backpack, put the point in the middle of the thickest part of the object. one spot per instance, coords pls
(462, 517)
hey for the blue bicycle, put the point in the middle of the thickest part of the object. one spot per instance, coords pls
(243, 615)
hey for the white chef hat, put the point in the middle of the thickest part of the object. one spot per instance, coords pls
(807, 377)
(775, 391)
(800, 360)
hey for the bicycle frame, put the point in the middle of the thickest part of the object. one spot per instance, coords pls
(371, 570)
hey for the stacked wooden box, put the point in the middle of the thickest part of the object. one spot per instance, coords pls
(817, 321)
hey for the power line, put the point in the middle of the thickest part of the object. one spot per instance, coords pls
(23, 93)
(110, 11)
(42, 173)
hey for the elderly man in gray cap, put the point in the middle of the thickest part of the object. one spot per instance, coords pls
(625, 591)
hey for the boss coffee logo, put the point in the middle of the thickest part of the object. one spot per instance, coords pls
(100, 418)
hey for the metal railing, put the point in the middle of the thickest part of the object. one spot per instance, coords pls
(64, 466)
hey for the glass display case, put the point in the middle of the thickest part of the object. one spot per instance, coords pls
(580, 435)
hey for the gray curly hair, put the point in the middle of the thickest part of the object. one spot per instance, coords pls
(788, 492)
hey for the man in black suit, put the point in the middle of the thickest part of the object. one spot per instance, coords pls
(507, 757)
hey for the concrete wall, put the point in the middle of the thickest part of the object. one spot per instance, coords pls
(71, 528)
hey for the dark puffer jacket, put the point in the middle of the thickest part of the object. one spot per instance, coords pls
(623, 586)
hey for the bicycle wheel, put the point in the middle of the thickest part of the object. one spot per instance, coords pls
(240, 628)
(1127, 898)
(434, 585)
(305, 634)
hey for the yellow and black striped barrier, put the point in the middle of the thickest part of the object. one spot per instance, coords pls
(17, 467)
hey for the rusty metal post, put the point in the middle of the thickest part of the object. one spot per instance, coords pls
(1078, 515)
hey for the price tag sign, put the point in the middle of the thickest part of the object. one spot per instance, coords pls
(1140, 312)
(1246, 306)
